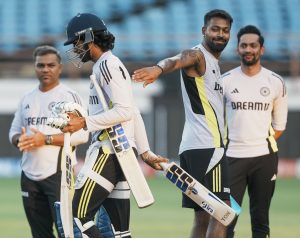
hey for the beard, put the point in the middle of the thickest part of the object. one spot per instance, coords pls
(216, 47)
(86, 55)
(250, 62)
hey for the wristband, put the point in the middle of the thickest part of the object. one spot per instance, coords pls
(162, 70)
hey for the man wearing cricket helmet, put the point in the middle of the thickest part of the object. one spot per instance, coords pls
(102, 182)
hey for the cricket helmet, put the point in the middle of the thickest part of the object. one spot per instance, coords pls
(81, 24)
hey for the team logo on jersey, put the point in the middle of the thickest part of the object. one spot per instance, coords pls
(264, 91)
(27, 106)
(91, 85)
(235, 91)
(51, 105)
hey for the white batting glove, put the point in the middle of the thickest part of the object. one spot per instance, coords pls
(60, 117)
(58, 122)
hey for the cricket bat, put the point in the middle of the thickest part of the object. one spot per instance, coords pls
(199, 194)
(66, 188)
(126, 158)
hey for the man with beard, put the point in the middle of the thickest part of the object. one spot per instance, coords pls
(201, 149)
(256, 113)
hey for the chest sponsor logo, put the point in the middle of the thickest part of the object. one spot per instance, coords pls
(218, 87)
(34, 121)
(251, 106)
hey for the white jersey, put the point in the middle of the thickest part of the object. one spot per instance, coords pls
(33, 111)
(203, 105)
(115, 82)
(254, 107)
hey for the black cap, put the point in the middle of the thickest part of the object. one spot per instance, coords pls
(81, 23)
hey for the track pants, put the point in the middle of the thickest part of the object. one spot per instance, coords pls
(38, 201)
(259, 175)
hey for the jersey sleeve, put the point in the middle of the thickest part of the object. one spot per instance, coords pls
(280, 107)
(117, 87)
(140, 135)
(17, 123)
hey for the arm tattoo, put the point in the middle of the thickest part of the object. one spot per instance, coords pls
(188, 58)
(191, 57)
(167, 65)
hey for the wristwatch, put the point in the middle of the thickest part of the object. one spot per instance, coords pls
(48, 139)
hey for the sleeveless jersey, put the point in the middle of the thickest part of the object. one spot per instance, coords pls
(203, 105)
(254, 107)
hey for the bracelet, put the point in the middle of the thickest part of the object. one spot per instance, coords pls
(161, 68)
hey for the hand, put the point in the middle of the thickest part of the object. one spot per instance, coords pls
(31, 142)
(153, 160)
(147, 75)
(74, 124)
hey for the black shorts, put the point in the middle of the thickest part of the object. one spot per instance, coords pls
(196, 163)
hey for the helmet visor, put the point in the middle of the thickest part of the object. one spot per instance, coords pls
(79, 54)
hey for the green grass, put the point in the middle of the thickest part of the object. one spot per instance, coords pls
(166, 218)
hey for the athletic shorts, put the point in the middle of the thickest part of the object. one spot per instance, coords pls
(196, 163)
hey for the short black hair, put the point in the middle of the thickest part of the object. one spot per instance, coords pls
(250, 29)
(45, 50)
(217, 13)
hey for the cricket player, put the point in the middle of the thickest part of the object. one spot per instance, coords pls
(93, 42)
(202, 148)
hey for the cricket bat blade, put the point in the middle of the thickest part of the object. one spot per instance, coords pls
(199, 194)
(66, 189)
(126, 158)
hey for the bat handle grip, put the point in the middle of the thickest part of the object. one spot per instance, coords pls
(164, 166)
(67, 142)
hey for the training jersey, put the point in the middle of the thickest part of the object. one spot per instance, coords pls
(254, 107)
(115, 82)
(203, 106)
(32, 112)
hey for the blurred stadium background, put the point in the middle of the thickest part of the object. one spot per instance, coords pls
(146, 31)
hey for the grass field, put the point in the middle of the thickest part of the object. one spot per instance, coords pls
(164, 219)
